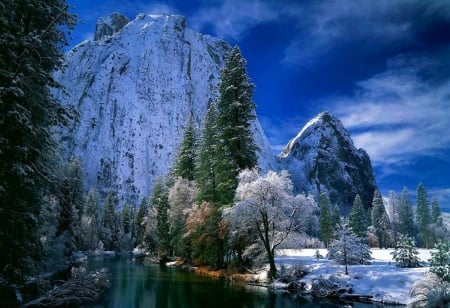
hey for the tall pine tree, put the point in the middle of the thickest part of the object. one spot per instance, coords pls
(236, 148)
(357, 219)
(160, 201)
(205, 167)
(380, 220)
(423, 216)
(185, 163)
(326, 227)
(32, 38)
(405, 214)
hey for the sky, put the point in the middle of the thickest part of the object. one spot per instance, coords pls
(382, 67)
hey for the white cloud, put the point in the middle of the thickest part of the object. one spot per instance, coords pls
(232, 19)
(397, 115)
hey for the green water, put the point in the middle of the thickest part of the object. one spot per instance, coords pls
(138, 285)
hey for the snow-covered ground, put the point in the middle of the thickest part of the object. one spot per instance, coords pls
(382, 279)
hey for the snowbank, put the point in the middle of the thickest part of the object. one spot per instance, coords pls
(382, 279)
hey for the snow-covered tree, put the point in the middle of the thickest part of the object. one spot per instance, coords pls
(32, 39)
(90, 222)
(110, 228)
(185, 162)
(266, 207)
(325, 221)
(435, 211)
(405, 253)
(405, 214)
(357, 218)
(160, 201)
(423, 216)
(182, 196)
(347, 248)
(236, 112)
(440, 261)
(393, 215)
(380, 220)
(205, 174)
(140, 221)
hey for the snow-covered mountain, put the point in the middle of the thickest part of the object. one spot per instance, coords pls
(322, 158)
(134, 87)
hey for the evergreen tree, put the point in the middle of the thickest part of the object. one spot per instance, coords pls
(380, 220)
(335, 213)
(393, 215)
(110, 230)
(423, 216)
(440, 261)
(347, 248)
(325, 221)
(435, 211)
(159, 200)
(405, 214)
(90, 222)
(32, 39)
(205, 171)
(140, 221)
(405, 253)
(236, 112)
(70, 199)
(357, 221)
(185, 163)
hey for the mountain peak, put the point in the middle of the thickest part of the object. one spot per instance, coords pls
(109, 25)
(320, 124)
(323, 158)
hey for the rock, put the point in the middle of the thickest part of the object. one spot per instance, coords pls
(107, 26)
(322, 158)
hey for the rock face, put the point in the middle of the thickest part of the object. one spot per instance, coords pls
(109, 25)
(134, 88)
(322, 158)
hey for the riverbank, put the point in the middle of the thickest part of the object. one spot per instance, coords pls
(382, 280)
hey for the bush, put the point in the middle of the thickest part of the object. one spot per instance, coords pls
(440, 261)
(405, 253)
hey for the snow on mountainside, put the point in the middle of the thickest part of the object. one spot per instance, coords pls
(322, 158)
(134, 88)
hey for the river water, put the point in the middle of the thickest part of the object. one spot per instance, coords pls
(138, 285)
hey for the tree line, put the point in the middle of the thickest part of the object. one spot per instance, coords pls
(382, 225)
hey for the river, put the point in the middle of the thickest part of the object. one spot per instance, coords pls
(139, 285)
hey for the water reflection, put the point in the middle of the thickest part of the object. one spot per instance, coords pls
(138, 285)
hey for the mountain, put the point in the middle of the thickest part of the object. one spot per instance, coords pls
(322, 158)
(133, 88)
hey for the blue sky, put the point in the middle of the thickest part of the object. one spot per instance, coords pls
(383, 67)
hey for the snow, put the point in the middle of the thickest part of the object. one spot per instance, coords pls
(382, 279)
(134, 92)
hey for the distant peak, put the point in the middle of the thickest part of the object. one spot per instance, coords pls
(324, 119)
(109, 25)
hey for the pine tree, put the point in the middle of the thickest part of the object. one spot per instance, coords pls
(393, 215)
(405, 253)
(423, 216)
(70, 199)
(90, 221)
(32, 39)
(347, 248)
(380, 220)
(405, 214)
(357, 221)
(140, 221)
(440, 261)
(236, 112)
(435, 211)
(325, 221)
(205, 170)
(185, 163)
(159, 200)
(109, 223)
